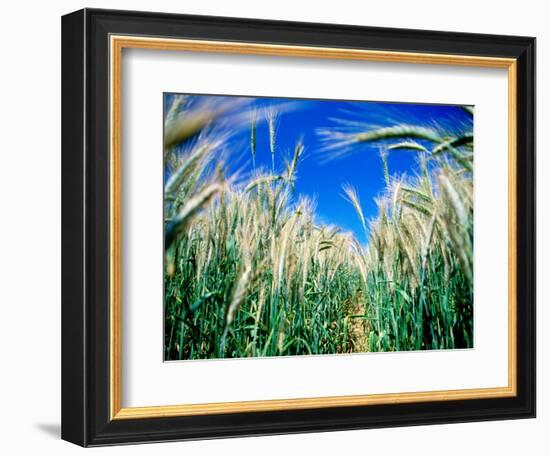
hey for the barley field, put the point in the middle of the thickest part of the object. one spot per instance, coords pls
(253, 267)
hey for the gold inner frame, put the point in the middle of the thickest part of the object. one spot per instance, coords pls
(117, 44)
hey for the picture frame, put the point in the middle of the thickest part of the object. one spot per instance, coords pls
(92, 174)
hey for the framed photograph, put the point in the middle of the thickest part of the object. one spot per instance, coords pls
(277, 227)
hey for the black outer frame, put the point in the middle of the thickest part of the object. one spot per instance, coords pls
(85, 227)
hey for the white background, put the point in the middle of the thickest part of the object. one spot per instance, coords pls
(148, 73)
(30, 231)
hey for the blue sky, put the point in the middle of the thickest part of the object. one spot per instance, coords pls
(322, 179)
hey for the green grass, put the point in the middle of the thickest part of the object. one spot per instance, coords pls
(250, 273)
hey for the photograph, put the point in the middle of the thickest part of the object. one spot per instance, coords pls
(316, 227)
(271, 226)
